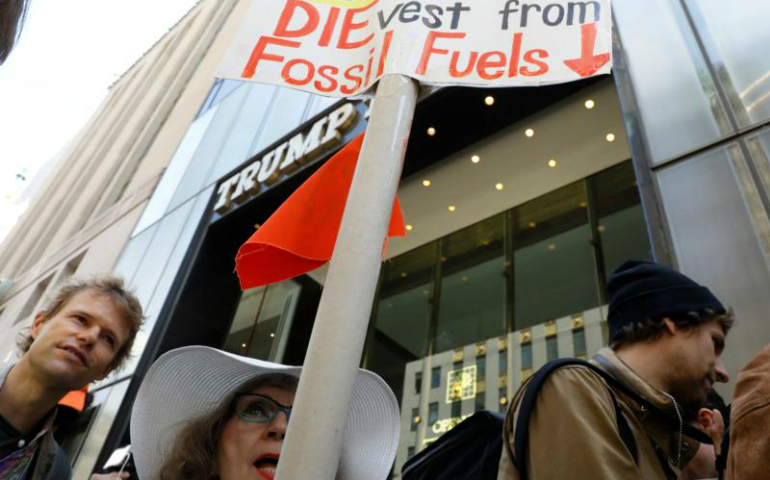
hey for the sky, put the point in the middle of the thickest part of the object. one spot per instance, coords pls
(69, 54)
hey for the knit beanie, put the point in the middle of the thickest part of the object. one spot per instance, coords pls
(640, 290)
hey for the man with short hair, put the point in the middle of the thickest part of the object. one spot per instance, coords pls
(85, 332)
(666, 337)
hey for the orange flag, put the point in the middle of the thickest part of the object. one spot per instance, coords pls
(300, 235)
(75, 399)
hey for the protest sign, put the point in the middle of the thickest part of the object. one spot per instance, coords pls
(340, 48)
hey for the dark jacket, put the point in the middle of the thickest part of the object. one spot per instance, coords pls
(50, 462)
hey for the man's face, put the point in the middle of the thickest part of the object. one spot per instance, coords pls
(694, 362)
(77, 345)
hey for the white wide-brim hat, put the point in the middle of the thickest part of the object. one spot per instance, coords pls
(187, 383)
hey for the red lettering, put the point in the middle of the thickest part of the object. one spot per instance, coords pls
(356, 79)
(282, 29)
(259, 54)
(331, 22)
(286, 72)
(332, 82)
(348, 25)
(429, 49)
(485, 63)
(369, 67)
(457, 73)
(513, 69)
(384, 53)
(529, 58)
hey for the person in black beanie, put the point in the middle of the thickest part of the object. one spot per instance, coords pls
(667, 333)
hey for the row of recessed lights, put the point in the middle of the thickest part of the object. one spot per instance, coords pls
(490, 100)
(610, 137)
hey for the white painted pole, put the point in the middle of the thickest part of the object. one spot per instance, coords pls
(312, 447)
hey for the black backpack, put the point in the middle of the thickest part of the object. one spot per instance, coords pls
(472, 449)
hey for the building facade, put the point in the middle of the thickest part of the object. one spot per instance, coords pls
(518, 209)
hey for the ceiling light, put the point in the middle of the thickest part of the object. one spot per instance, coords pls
(490, 100)
(551, 247)
(431, 131)
(590, 104)
(426, 183)
(532, 224)
(582, 204)
(451, 208)
(529, 132)
(601, 228)
(272, 335)
(465, 279)
(409, 228)
(243, 345)
(610, 137)
(552, 163)
(503, 400)
(475, 159)
(403, 274)
(499, 186)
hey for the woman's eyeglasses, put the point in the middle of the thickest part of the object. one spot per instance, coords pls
(256, 408)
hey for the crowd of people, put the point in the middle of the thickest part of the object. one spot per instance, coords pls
(644, 408)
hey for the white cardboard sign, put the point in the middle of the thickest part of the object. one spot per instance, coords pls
(340, 48)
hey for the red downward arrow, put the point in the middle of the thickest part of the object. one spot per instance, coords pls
(588, 63)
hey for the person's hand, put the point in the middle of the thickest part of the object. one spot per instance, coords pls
(111, 476)
(714, 425)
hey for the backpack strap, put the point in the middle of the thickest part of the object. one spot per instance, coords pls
(527, 404)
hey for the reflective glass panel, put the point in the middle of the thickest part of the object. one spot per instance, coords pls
(707, 201)
(286, 114)
(472, 306)
(676, 96)
(736, 35)
(402, 315)
(262, 315)
(620, 219)
(553, 261)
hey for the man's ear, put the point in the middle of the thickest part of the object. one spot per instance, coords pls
(670, 326)
(705, 418)
(37, 323)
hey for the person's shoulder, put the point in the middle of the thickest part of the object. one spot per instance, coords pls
(577, 386)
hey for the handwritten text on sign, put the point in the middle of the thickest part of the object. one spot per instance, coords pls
(341, 47)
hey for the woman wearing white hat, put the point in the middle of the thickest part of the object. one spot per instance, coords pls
(202, 414)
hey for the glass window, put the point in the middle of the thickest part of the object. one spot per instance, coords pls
(410, 452)
(553, 260)
(415, 418)
(435, 377)
(175, 170)
(676, 96)
(432, 413)
(551, 348)
(402, 316)
(417, 383)
(480, 403)
(503, 362)
(457, 409)
(286, 115)
(526, 355)
(620, 219)
(472, 305)
(709, 204)
(579, 342)
(209, 149)
(262, 314)
(246, 126)
(736, 37)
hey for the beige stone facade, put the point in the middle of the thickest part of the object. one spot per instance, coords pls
(80, 219)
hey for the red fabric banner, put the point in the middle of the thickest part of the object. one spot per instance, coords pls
(300, 236)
